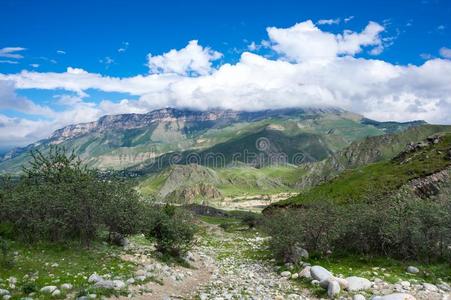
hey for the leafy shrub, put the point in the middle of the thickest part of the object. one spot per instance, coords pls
(172, 229)
(402, 226)
(58, 199)
(251, 220)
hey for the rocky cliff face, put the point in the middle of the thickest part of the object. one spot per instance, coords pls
(168, 115)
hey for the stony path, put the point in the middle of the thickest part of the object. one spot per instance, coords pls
(242, 270)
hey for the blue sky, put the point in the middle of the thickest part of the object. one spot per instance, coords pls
(103, 41)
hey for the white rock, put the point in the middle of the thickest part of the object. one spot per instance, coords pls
(333, 289)
(395, 296)
(119, 284)
(56, 293)
(305, 272)
(412, 269)
(342, 282)
(357, 284)
(314, 282)
(94, 278)
(105, 284)
(92, 296)
(66, 286)
(6, 297)
(444, 287)
(4, 292)
(48, 289)
(430, 287)
(140, 278)
(286, 274)
(358, 297)
(295, 276)
(405, 284)
(130, 281)
(319, 273)
(140, 273)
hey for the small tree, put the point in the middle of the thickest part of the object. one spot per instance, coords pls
(172, 229)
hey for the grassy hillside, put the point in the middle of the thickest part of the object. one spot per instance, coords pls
(379, 179)
(195, 183)
(366, 151)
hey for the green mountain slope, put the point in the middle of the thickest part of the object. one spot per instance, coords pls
(195, 183)
(122, 141)
(365, 151)
(381, 179)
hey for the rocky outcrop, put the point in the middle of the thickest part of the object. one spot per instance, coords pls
(431, 185)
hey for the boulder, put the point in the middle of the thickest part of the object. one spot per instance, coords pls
(395, 296)
(357, 284)
(430, 287)
(333, 289)
(296, 254)
(358, 297)
(117, 239)
(319, 273)
(412, 270)
(342, 282)
(48, 289)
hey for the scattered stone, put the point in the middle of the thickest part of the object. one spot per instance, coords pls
(119, 284)
(92, 296)
(314, 282)
(405, 284)
(333, 289)
(190, 257)
(56, 293)
(6, 297)
(286, 274)
(319, 273)
(412, 270)
(358, 297)
(105, 284)
(48, 289)
(295, 276)
(430, 287)
(130, 281)
(66, 286)
(357, 284)
(444, 287)
(395, 296)
(94, 278)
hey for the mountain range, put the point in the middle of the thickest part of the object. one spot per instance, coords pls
(189, 156)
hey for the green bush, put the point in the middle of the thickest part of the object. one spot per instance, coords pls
(172, 229)
(251, 219)
(402, 226)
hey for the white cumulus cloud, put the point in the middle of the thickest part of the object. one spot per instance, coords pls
(313, 68)
(304, 41)
(191, 60)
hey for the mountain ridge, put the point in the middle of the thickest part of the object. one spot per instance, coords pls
(125, 140)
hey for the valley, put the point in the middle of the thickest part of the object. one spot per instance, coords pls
(230, 205)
